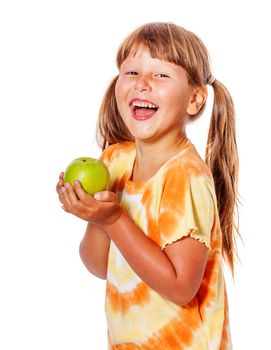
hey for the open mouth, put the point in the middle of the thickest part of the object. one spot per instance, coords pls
(143, 109)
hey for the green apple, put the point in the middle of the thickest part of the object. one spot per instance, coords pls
(92, 173)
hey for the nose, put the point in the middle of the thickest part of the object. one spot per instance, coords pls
(142, 83)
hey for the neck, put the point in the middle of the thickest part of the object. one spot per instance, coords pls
(151, 156)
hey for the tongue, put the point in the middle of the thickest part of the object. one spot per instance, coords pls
(144, 112)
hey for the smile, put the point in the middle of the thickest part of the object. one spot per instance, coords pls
(143, 109)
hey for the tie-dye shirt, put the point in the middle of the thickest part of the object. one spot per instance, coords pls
(178, 201)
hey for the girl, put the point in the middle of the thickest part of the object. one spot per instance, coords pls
(159, 233)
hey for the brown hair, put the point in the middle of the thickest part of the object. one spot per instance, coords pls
(177, 45)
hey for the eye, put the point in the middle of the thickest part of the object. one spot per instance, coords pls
(162, 75)
(131, 72)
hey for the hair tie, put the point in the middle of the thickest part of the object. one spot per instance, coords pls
(211, 80)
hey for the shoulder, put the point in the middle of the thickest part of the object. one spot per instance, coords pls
(119, 159)
(117, 150)
(188, 202)
(187, 166)
(188, 178)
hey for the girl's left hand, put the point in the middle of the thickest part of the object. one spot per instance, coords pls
(102, 209)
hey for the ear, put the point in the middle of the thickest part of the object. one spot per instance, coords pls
(197, 100)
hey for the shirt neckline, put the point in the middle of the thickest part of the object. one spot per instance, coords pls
(187, 143)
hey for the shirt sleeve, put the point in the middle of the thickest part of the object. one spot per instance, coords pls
(108, 156)
(187, 208)
(117, 158)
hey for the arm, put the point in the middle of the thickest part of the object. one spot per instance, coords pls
(94, 246)
(94, 249)
(176, 272)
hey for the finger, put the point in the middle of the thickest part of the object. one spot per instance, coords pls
(60, 182)
(105, 196)
(73, 204)
(70, 194)
(86, 198)
(60, 197)
(65, 194)
(63, 207)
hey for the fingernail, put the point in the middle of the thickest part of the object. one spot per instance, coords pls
(62, 190)
(67, 185)
(97, 195)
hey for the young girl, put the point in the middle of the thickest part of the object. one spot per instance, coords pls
(159, 233)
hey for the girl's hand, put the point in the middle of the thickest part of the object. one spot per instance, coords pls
(59, 185)
(102, 209)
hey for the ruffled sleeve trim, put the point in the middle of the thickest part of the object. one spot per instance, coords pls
(190, 232)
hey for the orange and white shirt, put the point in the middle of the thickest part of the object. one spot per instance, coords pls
(178, 201)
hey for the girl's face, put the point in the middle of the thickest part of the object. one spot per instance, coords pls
(153, 97)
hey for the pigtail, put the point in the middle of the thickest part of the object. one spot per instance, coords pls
(111, 128)
(222, 158)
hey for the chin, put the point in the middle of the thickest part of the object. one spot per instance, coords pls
(142, 132)
(142, 136)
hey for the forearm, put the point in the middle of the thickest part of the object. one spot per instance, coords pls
(144, 256)
(94, 249)
(175, 272)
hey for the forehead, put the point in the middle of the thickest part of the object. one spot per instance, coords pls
(133, 48)
(142, 59)
(143, 54)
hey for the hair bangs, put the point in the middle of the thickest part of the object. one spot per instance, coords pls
(159, 39)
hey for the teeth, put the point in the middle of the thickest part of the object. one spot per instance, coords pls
(143, 104)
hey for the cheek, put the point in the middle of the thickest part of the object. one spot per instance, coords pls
(121, 97)
(168, 94)
(175, 98)
(121, 90)
(117, 91)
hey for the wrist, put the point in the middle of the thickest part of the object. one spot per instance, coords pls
(115, 222)
(113, 219)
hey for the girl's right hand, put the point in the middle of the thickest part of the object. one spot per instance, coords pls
(59, 185)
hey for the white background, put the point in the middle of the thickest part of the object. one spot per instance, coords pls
(56, 60)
